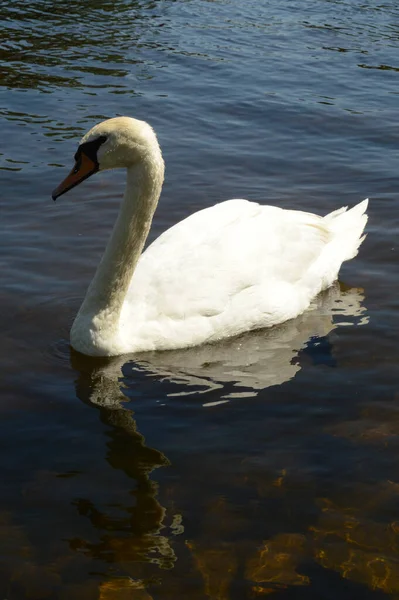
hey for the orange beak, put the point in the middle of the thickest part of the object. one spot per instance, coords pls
(84, 167)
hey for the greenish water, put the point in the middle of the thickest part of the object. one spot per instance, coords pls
(263, 466)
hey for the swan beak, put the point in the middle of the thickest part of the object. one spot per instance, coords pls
(84, 167)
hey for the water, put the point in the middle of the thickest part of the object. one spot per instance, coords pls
(266, 465)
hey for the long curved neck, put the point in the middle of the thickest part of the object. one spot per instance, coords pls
(109, 286)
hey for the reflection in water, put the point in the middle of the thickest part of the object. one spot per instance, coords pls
(135, 536)
(229, 553)
(236, 368)
(242, 366)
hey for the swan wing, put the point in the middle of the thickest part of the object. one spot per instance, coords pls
(236, 266)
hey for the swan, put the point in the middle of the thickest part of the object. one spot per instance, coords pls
(230, 268)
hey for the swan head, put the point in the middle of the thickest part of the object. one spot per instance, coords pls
(114, 143)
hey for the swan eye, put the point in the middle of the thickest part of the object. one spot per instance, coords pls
(78, 163)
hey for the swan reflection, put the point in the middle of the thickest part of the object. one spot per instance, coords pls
(137, 535)
(255, 360)
(239, 367)
(235, 368)
(130, 533)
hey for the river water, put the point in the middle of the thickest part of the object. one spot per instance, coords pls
(267, 465)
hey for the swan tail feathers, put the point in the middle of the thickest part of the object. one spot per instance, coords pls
(347, 227)
(333, 215)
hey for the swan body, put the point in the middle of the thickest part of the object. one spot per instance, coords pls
(230, 268)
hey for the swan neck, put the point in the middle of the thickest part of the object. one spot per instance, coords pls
(115, 271)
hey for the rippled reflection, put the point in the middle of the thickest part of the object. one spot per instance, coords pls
(242, 366)
(257, 360)
(139, 534)
(135, 534)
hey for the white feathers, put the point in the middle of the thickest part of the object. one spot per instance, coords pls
(231, 268)
(234, 267)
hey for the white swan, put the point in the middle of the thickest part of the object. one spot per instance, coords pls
(234, 267)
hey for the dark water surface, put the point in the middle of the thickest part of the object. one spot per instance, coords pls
(264, 466)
